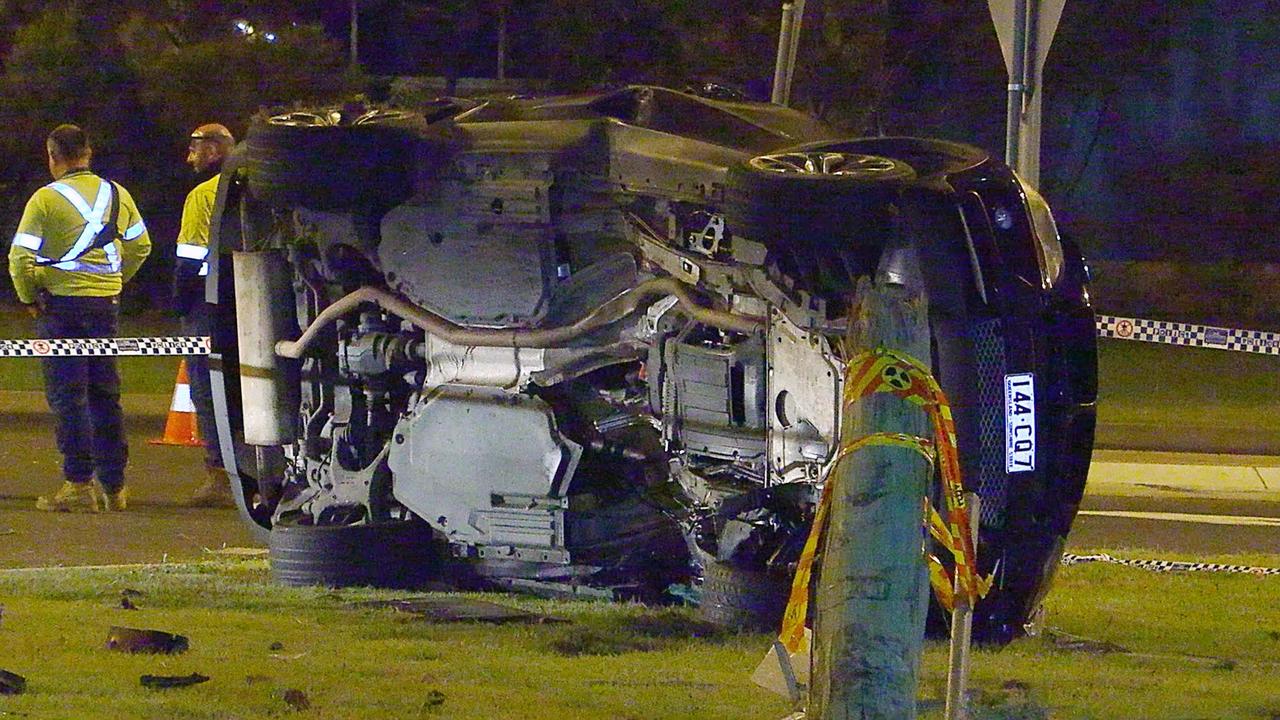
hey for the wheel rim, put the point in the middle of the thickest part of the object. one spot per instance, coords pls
(826, 163)
(335, 118)
(307, 119)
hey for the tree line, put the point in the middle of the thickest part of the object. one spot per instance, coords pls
(139, 74)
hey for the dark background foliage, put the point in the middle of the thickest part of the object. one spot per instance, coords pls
(1159, 136)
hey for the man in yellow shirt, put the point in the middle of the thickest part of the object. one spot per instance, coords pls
(80, 239)
(210, 145)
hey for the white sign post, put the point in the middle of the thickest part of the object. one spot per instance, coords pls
(1025, 29)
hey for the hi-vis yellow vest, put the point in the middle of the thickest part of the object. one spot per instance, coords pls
(60, 221)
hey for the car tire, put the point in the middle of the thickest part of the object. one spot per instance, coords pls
(931, 159)
(396, 554)
(737, 598)
(769, 198)
(299, 159)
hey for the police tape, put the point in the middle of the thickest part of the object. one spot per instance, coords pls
(1109, 326)
(1189, 334)
(1169, 565)
(95, 347)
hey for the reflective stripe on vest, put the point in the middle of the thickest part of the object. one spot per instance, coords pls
(113, 263)
(28, 241)
(93, 217)
(94, 223)
(194, 252)
(133, 232)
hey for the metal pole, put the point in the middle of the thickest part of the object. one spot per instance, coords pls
(1017, 87)
(778, 95)
(502, 43)
(355, 33)
(961, 635)
(1029, 140)
(797, 22)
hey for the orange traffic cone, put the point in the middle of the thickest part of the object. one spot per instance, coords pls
(180, 426)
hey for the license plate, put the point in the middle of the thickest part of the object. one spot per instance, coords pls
(1019, 423)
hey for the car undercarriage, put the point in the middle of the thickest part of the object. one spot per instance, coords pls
(596, 343)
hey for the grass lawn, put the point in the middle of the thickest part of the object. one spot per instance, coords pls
(1174, 386)
(1168, 646)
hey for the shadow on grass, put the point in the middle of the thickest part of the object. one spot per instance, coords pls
(646, 632)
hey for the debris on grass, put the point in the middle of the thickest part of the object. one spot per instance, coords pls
(133, 640)
(1074, 643)
(12, 683)
(296, 700)
(167, 682)
(434, 702)
(276, 646)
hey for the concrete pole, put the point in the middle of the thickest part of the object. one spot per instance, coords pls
(873, 588)
(778, 95)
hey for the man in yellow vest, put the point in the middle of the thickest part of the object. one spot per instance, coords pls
(210, 145)
(80, 239)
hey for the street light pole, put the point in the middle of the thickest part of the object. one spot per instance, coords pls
(502, 42)
(355, 32)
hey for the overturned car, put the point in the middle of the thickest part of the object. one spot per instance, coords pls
(590, 344)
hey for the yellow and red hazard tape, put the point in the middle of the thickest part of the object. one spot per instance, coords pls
(884, 370)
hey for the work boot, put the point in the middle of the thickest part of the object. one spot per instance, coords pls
(117, 501)
(215, 492)
(73, 497)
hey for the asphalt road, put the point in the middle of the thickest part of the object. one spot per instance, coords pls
(1197, 526)
(157, 528)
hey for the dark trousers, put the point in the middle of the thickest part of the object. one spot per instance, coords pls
(84, 392)
(196, 322)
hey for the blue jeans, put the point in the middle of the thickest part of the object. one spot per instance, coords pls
(84, 392)
(196, 322)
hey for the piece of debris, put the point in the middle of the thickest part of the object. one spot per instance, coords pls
(296, 699)
(1062, 641)
(276, 646)
(166, 682)
(12, 683)
(130, 592)
(237, 552)
(132, 640)
(126, 603)
(434, 702)
(446, 610)
(295, 656)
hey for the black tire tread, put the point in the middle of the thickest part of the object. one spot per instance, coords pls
(388, 554)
